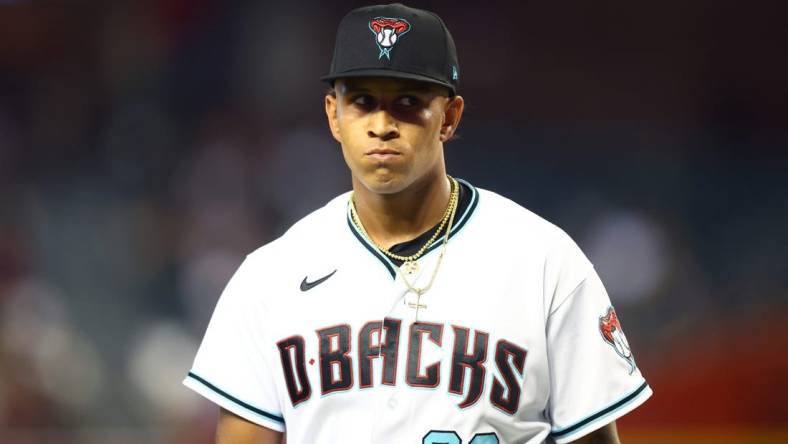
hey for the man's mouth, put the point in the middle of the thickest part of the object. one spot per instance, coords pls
(383, 153)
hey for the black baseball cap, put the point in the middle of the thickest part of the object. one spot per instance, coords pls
(395, 41)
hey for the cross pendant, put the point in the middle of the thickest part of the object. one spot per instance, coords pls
(418, 305)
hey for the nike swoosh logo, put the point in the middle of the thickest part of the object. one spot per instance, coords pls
(306, 286)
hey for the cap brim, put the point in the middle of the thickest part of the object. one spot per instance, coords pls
(376, 72)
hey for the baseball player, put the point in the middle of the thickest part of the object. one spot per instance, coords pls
(416, 308)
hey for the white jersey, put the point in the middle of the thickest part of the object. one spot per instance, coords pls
(515, 342)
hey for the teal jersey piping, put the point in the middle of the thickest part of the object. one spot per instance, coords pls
(235, 400)
(606, 411)
(458, 224)
(390, 267)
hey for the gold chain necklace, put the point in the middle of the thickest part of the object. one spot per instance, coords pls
(409, 262)
(418, 291)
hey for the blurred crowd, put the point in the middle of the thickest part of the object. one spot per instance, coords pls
(147, 147)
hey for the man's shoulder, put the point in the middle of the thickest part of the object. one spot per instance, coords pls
(316, 229)
(528, 236)
(325, 220)
(514, 220)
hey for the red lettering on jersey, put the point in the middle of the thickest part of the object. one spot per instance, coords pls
(432, 375)
(381, 339)
(473, 361)
(336, 369)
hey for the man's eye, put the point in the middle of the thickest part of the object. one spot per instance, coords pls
(363, 100)
(407, 101)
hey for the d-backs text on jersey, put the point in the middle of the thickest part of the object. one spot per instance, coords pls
(337, 362)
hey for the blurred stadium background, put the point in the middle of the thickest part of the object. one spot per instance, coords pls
(147, 146)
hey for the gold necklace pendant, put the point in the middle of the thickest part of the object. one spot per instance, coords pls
(410, 267)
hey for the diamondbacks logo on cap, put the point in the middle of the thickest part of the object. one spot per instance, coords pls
(387, 32)
(610, 327)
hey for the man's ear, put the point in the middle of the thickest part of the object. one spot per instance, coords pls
(451, 117)
(331, 115)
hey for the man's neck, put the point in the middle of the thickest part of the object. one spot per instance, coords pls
(391, 219)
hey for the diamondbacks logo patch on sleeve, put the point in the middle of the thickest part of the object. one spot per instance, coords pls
(387, 33)
(611, 331)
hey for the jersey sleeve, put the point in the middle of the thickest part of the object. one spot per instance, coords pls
(232, 367)
(593, 376)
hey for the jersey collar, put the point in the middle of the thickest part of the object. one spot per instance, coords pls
(458, 225)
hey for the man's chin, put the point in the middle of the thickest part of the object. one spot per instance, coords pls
(383, 181)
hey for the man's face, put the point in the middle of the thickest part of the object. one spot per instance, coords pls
(392, 130)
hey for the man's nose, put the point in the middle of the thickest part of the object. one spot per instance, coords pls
(382, 125)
